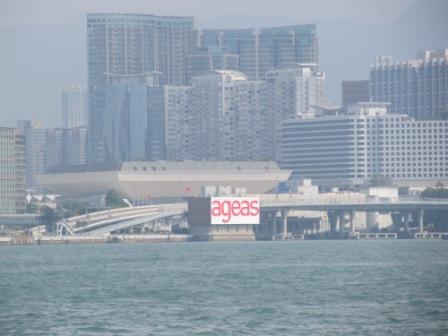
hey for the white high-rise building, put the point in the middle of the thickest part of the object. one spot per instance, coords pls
(352, 148)
(292, 92)
(73, 107)
(181, 132)
(296, 90)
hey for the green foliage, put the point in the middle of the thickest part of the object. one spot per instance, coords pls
(115, 200)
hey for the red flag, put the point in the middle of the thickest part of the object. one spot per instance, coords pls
(187, 189)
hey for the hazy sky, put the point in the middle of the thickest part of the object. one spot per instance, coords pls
(42, 43)
(208, 12)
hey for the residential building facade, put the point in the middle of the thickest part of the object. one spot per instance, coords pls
(418, 88)
(12, 171)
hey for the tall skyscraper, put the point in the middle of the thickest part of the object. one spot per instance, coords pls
(35, 136)
(12, 171)
(181, 125)
(125, 124)
(268, 48)
(355, 91)
(418, 88)
(281, 47)
(292, 92)
(232, 117)
(206, 59)
(155, 140)
(132, 44)
(73, 107)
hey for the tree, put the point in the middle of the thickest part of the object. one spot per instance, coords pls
(115, 200)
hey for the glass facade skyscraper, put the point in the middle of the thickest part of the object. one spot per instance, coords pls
(132, 44)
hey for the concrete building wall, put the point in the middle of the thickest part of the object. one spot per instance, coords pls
(359, 146)
(12, 171)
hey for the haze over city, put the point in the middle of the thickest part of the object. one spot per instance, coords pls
(240, 167)
(47, 40)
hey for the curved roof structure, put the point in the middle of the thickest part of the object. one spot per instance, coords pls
(154, 179)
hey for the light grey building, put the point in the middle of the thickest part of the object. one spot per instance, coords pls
(292, 92)
(350, 149)
(130, 44)
(418, 88)
(65, 147)
(73, 107)
(12, 171)
(181, 124)
(232, 117)
(35, 136)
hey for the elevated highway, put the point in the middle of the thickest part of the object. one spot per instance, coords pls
(340, 211)
(111, 220)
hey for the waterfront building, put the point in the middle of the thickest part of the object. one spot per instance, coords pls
(35, 136)
(354, 91)
(418, 88)
(155, 179)
(131, 44)
(12, 171)
(368, 141)
(73, 107)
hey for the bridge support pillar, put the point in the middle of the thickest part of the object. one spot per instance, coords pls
(333, 220)
(420, 214)
(273, 218)
(342, 221)
(396, 220)
(284, 214)
(407, 217)
(352, 220)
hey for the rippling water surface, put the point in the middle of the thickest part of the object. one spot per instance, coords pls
(235, 288)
